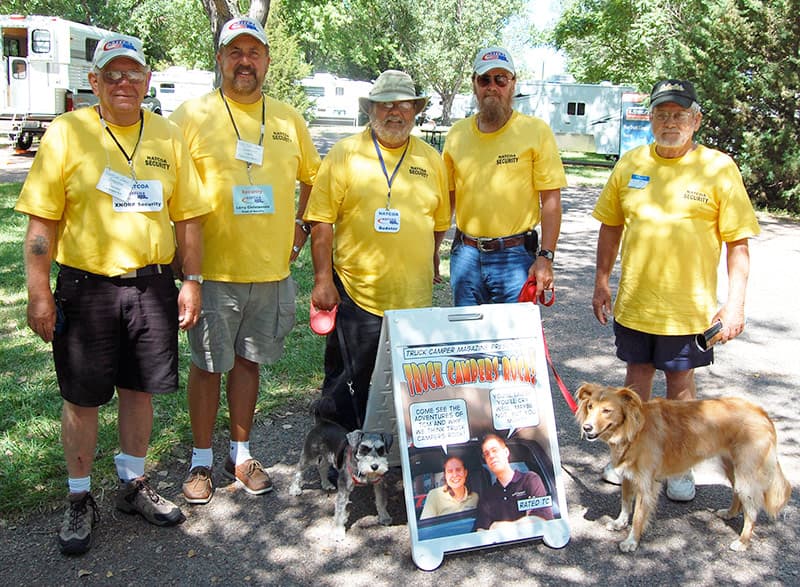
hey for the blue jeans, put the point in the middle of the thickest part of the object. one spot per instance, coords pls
(493, 277)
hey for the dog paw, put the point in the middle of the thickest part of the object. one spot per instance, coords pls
(385, 520)
(327, 485)
(338, 534)
(616, 525)
(628, 545)
(726, 514)
(738, 546)
(295, 490)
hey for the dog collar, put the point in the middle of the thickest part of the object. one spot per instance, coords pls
(357, 479)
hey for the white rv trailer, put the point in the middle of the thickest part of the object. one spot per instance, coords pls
(45, 66)
(177, 84)
(591, 118)
(335, 98)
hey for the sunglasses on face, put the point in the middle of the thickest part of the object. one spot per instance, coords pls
(402, 106)
(680, 117)
(500, 80)
(133, 76)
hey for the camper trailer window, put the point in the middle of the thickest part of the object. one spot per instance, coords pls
(11, 47)
(19, 69)
(40, 41)
(576, 108)
(89, 46)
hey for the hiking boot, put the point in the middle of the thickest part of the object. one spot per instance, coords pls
(681, 488)
(250, 474)
(75, 536)
(198, 487)
(137, 497)
(611, 475)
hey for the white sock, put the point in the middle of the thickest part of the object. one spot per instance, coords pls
(240, 452)
(129, 467)
(79, 484)
(202, 457)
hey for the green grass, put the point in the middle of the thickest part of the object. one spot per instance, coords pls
(32, 469)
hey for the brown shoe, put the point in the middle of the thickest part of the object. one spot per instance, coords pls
(250, 474)
(197, 487)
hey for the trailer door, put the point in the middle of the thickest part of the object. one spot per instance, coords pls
(19, 85)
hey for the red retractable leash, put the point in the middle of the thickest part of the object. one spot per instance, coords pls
(528, 294)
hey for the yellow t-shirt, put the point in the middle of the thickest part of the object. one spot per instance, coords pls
(497, 176)
(676, 214)
(247, 248)
(382, 270)
(92, 234)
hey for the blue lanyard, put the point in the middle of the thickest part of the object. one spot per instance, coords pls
(389, 180)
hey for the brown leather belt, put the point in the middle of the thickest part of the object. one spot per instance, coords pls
(493, 244)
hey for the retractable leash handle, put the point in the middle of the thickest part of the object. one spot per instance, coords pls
(528, 294)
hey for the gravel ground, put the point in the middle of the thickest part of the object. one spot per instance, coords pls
(280, 540)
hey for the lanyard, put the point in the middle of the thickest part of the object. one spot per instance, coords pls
(236, 129)
(128, 158)
(389, 180)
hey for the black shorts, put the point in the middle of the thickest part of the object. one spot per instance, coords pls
(115, 332)
(667, 353)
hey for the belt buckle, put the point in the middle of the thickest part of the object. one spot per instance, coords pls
(128, 275)
(480, 244)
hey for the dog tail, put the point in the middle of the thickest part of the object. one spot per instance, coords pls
(779, 491)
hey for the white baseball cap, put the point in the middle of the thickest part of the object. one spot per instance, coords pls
(242, 25)
(118, 46)
(493, 58)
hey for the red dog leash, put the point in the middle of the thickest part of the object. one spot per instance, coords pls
(528, 294)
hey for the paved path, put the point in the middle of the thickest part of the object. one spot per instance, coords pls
(280, 540)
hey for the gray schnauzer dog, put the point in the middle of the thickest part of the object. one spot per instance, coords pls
(360, 459)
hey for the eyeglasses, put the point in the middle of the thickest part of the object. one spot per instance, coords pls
(402, 106)
(133, 76)
(500, 80)
(680, 117)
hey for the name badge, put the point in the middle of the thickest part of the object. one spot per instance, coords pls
(387, 220)
(253, 199)
(115, 184)
(145, 196)
(638, 182)
(249, 152)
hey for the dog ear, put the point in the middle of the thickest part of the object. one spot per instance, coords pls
(354, 438)
(585, 391)
(388, 440)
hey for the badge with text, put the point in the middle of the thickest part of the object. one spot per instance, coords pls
(638, 182)
(387, 220)
(253, 199)
(115, 184)
(249, 152)
(145, 196)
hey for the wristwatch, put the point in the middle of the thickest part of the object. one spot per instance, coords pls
(547, 254)
(194, 277)
(303, 224)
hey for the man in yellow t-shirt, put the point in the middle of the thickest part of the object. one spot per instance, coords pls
(250, 151)
(671, 205)
(103, 192)
(379, 210)
(505, 177)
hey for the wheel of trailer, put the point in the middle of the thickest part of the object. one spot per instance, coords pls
(24, 141)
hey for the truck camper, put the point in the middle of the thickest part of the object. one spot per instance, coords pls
(44, 72)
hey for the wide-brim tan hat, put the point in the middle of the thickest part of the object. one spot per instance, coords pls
(393, 86)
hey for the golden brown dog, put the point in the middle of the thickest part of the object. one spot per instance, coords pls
(653, 440)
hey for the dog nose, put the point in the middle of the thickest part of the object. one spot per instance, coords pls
(374, 467)
(587, 427)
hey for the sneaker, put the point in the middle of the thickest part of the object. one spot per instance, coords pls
(611, 475)
(75, 536)
(197, 487)
(681, 488)
(250, 474)
(137, 497)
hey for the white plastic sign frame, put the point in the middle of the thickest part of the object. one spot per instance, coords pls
(444, 379)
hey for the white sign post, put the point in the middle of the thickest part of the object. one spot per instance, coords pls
(462, 386)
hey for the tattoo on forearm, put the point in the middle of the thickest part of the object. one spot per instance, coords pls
(39, 246)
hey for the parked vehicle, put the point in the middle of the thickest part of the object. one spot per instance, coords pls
(45, 65)
(176, 84)
(335, 99)
(590, 118)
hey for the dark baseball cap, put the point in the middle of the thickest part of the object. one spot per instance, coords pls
(673, 90)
